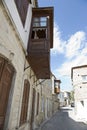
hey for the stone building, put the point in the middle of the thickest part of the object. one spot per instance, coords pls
(47, 98)
(25, 42)
(79, 81)
(67, 98)
(64, 98)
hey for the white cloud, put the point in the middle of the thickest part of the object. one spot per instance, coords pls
(75, 44)
(70, 47)
(57, 42)
(65, 69)
(74, 49)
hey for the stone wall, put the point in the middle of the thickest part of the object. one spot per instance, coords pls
(12, 49)
(80, 92)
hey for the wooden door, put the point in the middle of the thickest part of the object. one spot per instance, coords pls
(6, 74)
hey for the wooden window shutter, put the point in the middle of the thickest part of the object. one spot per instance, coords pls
(22, 6)
(5, 85)
(25, 99)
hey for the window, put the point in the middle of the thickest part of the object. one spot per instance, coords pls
(40, 22)
(84, 77)
(25, 99)
(39, 27)
(22, 7)
(82, 102)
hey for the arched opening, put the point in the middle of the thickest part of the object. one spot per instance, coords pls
(6, 76)
(25, 99)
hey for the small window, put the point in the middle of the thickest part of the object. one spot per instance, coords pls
(82, 102)
(84, 77)
(39, 21)
(39, 30)
(43, 21)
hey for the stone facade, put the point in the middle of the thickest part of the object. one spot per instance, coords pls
(13, 46)
(79, 80)
(11, 49)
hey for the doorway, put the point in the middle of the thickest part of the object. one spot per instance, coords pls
(6, 75)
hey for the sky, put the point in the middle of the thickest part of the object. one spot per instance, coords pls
(70, 38)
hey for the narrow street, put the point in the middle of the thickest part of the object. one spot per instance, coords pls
(62, 121)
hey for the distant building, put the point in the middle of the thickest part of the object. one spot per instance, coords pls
(67, 98)
(64, 98)
(61, 99)
(79, 81)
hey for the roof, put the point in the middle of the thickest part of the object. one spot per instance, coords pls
(76, 67)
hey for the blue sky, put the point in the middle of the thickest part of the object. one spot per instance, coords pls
(70, 37)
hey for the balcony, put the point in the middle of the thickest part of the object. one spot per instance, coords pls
(57, 86)
(57, 90)
(40, 41)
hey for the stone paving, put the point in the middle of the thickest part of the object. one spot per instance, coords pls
(63, 120)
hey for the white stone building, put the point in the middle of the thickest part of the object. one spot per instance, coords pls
(24, 61)
(61, 99)
(79, 81)
(67, 98)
